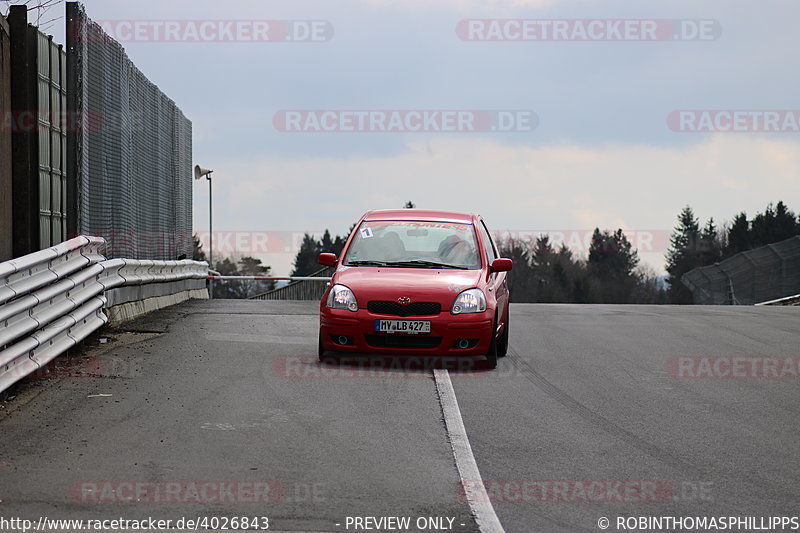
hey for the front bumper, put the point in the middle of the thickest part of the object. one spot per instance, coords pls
(446, 331)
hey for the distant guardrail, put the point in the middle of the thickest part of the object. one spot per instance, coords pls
(762, 274)
(52, 299)
(789, 300)
(305, 288)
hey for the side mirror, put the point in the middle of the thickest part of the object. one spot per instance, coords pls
(502, 265)
(327, 259)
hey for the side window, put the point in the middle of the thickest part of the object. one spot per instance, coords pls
(491, 253)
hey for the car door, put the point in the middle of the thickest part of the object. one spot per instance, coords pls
(498, 281)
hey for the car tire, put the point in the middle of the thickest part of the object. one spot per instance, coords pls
(491, 355)
(502, 345)
(321, 349)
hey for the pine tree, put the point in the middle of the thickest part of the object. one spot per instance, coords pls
(305, 262)
(338, 245)
(738, 235)
(773, 225)
(542, 251)
(682, 255)
(784, 226)
(570, 282)
(326, 244)
(612, 262)
(519, 279)
(709, 249)
(542, 261)
(763, 227)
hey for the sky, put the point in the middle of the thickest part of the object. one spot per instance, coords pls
(593, 145)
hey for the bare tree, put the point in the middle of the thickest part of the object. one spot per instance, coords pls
(42, 13)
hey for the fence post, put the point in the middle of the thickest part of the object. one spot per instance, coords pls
(6, 118)
(25, 148)
(74, 36)
(782, 278)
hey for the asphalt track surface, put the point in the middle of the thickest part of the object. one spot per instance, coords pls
(589, 416)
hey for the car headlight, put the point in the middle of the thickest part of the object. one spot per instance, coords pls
(341, 297)
(469, 301)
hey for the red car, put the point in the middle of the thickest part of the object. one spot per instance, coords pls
(412, 281)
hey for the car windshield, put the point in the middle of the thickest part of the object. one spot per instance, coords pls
(408, 243)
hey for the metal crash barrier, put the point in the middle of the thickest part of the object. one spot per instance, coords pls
(52, 299)
(302, 288)
(789, 300)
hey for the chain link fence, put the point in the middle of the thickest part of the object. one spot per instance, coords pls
(750, 277)
(132, 155)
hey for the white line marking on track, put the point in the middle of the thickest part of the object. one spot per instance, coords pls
(471, 480)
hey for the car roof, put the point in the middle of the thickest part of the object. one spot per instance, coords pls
(420, 214)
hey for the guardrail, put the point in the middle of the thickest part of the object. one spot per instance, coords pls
(758, 275)
(52, 299)
(789, 300)
(142, 271)
(300, 288)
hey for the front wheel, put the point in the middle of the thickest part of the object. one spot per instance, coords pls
(502, 345)
(321, 349)
(491, 355)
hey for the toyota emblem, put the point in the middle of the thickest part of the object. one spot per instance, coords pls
(404, 300)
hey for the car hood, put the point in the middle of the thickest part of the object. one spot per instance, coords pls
(419, 284)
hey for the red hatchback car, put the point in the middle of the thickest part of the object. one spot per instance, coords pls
(412, 281)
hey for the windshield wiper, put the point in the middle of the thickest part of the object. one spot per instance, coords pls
(422, 263)
(366, 262)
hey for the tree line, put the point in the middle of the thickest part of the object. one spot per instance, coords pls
(611, 272)
(693, 246)
(230, 266)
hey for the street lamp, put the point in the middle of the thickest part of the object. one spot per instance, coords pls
(199, 172)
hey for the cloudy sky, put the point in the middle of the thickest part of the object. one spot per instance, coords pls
(602, 152)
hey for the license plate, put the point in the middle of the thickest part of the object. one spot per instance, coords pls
(411, 327)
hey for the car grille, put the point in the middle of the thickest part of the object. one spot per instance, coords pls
(403, 341)
(413, 309)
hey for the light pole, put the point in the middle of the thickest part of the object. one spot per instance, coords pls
(199, 172)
